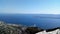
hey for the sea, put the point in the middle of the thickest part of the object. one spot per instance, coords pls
(45, 21)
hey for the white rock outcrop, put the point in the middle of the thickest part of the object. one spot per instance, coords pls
(42, 32)
(57, 31)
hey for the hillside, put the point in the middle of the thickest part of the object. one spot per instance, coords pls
(17, 29)
(7, 28)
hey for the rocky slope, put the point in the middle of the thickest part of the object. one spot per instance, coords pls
(17, 29)
(6, 28)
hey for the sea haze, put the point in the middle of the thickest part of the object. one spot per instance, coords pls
(45, 21)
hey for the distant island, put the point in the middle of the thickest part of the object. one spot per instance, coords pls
(7, 28)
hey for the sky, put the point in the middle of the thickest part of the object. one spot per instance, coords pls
(30, 6)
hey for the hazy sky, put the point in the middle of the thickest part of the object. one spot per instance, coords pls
(30, 6)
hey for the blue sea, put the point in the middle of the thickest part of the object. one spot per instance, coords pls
(45, 21)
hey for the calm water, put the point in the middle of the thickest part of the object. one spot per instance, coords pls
(44, 21)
